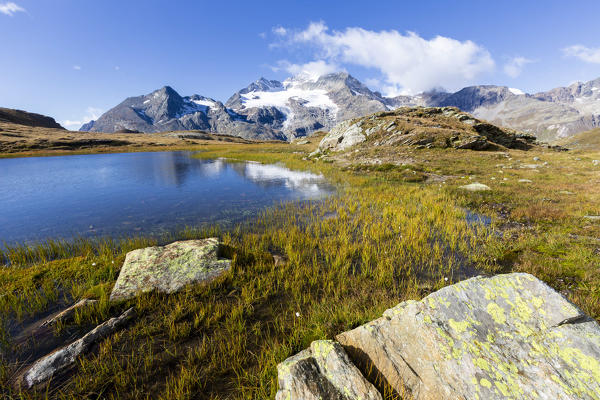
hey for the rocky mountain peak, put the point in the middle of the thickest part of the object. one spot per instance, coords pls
(306, 103)
(470, 98)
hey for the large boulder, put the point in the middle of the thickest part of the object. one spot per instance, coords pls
(323, 371)
(503, 337)
(169, 268)
(508, 336)
(344, 135)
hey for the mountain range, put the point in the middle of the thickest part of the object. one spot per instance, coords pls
(301, 105)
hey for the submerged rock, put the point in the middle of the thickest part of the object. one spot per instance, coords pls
(48, 366)
(503, 337)
(323, 371)
(169, 268)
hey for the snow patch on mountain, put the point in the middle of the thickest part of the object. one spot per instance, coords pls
(205, 102)
(281, 98)
(518, 92)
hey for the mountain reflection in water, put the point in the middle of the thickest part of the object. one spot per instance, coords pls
(138, 193)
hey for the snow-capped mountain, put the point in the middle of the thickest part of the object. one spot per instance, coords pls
(302, 105)
(165, 110)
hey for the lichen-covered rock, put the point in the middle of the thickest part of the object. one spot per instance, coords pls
(46, 367)
(504, 337)
(323, 371)
(169, 268)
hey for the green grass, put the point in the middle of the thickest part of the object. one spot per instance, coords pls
(382, 239)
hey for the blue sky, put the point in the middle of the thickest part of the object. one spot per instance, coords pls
(73, 59)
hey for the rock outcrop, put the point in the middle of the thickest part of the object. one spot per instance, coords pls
(46, 367)
(169, 268)
(433, 127)
(503, 337)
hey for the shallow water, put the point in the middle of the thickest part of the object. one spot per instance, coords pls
(138, 193)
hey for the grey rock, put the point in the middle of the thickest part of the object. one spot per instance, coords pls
(46, 367)
(475, 187)
(530, 166)
(323, 372)
(169, 268)
(592, 217)
(503, 337)
(346, 134)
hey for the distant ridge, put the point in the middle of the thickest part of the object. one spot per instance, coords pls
(26, 118)
(304, 104)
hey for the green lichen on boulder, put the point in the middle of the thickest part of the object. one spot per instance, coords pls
(169, 268)
(504, 337)
(323, 371)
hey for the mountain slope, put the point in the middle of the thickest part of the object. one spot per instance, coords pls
(21, 117)
(588, 140)
(302, 105)
(165, 110)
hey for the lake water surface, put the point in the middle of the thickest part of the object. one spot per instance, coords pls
(138, 193)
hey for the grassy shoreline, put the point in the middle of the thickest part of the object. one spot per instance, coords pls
(385, 237)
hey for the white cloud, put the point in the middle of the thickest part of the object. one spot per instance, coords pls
(77, 67)
(280, 30)
(117, 68)
(514, 67)
(91, 113)
(312, 69)
(407, 62)
(10, 8)
(587, 54)
(262, 35)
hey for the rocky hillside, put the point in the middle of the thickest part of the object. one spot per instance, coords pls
(432, 127)
(588, 140)
(301, 105)
(28, 119)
